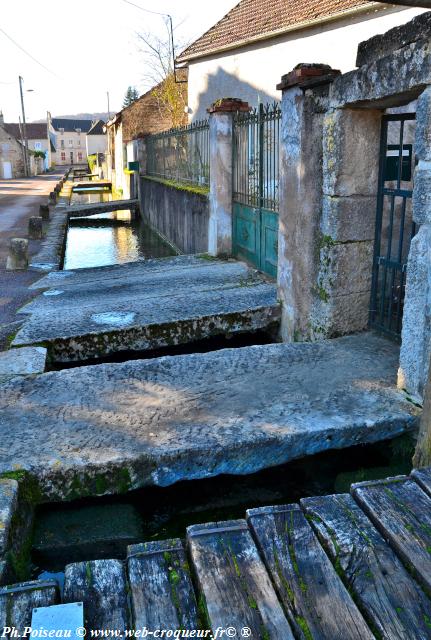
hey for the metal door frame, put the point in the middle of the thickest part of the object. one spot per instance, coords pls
(255, 191)
(379, 307)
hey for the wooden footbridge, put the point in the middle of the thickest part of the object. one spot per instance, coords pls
(351, 566)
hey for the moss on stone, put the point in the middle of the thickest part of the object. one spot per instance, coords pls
(180, 186)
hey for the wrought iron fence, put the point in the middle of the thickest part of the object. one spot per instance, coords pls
(256, 164)
(181, 154)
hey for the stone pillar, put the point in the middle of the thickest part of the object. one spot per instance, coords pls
(35, 228)
(416, 331)
(220, 200)
(52, 198)
(304, 100)
(44, 211)
(18, 254)
(351, 145)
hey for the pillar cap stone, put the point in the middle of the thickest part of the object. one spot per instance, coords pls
(229, 105)
(307, 76)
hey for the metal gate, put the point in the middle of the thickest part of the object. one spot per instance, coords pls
(255, 186)
(394, 223)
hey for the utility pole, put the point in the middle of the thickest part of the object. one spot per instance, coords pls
(24, 127)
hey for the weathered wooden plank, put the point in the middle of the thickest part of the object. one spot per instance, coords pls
(389, 598)
(423, 478)
(317, 603)
(161, 588)
(17, 602)
(401, 511)
(235, 588)
(101, 586)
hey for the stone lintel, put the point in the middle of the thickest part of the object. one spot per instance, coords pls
(307, 76)
(229, 105)
(382, 45)
(393, 80)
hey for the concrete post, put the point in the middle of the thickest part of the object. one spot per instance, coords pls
(300, 191)
(52, 198)
(18, 254)
(44, 211)
(416, 331)
(35, 228)
(220, 200)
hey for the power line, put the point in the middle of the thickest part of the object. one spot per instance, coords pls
(27, 53)
(155, 13)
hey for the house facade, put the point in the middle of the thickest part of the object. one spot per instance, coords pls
(96, 139)
(245, 54)
(12, 149)
(70, 140)
(144, 116)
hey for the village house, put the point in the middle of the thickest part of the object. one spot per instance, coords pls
(70, 140)
(245, 54)
(96, 138)
(12, 149)
(145, 116)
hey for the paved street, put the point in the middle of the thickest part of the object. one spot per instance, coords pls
(19, 200)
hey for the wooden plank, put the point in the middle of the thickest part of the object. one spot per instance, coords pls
(17, 602)
(401, 511)
(392, 601)
(423, 478)
(317, 603)
(161, 588)
(235, 588)
(101, 586)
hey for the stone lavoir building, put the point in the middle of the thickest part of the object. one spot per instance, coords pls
(355, 197)
(351, 232)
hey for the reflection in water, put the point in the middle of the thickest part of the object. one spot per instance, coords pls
(110, 238)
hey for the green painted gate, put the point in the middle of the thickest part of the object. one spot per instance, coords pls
(255, 187)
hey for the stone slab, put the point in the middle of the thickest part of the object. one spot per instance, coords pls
(115, 427)
(8, 505)
(22, 362)
(383, 45)
(94, 208)
(149, 309)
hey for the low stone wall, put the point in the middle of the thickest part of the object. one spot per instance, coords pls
(179, 214)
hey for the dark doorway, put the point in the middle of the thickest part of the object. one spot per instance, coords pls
(394, 223)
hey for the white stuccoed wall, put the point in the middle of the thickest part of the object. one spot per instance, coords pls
(253, 72)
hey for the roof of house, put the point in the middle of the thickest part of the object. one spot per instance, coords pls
(97, 128)
(260, 19)
(35, 130)
(71, 125)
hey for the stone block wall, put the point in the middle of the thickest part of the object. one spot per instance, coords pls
(11, 151)
(181, 215)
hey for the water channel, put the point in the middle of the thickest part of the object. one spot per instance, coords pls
(109, 238)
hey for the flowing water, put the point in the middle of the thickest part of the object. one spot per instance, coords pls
(109, 238)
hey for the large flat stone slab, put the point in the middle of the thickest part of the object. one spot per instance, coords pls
(114, 427)
(147, 307)
(22, 362)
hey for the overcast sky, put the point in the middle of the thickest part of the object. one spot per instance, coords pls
(88, 47)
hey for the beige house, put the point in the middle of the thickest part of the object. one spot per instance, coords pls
(70, 140)
(96, 139)
(245, 54)
(12, 149)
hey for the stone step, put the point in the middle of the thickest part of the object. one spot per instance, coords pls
(115, 427)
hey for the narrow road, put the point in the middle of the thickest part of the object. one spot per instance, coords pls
(19, 200)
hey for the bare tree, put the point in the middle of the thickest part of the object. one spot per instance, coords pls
(159, 53)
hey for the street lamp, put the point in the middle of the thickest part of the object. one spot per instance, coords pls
(24, 127)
